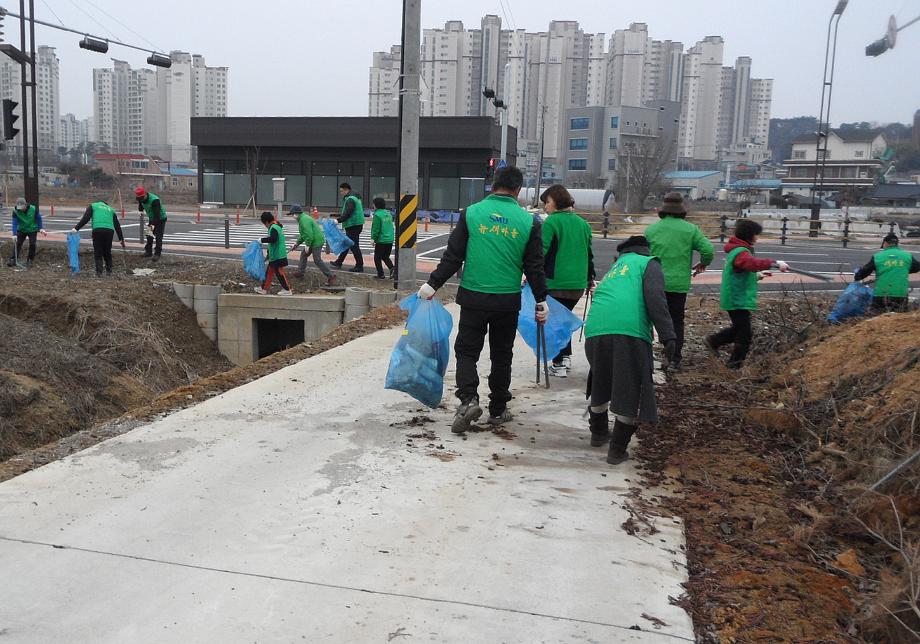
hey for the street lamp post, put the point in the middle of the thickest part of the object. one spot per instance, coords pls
(824, 116)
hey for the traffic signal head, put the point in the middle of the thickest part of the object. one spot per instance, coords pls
(94, 44)
(488, 93)
(878, 48)
(9, 119)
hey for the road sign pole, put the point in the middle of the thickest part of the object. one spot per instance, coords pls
(409, 107)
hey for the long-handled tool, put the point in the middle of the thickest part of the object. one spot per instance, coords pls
(584, 315)
(817, 276)
(545, 358)
(539, 344)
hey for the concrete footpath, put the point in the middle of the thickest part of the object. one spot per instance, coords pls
(279, 512)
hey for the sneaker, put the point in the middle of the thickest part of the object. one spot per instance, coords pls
(567, 362)
(260, 290)
(504, 417)
(392, 272)
(380, 277)
(356, 269)
(331, 281)
(11, 263)
(629, 220)
(559, 371)
(615, 455)
(467, 414)
(147, 253)
(285, 292)
(28, 263)
(156, 258)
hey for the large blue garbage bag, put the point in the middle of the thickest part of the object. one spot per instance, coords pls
(338, 242)
(73, 252)
(254, 260)
(853, 302)
(419, 361)
(560, 326)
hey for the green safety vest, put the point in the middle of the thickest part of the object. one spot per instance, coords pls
(357, 218)
(103, 216)
(739, 288)
(892, 267)
(498, 232)
(382, 230)
(573, 238)
(147, 205)
(277, 249)
(25, 220)
(619, 301)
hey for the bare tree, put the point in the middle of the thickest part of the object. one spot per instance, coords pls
(640, 171)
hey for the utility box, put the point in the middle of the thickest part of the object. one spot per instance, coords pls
(278, 189)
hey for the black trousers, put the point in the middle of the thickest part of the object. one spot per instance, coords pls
(102, 249)
(740, 332)
(677, 305)
(354, 234)
(20, 240)
(471, 332)
(159, 227)
(882, 304)
(567, 350)
(382, 256)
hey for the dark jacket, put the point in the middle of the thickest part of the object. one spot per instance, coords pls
(455, 255)
(869, 268)
(88, 215)
(348, 208)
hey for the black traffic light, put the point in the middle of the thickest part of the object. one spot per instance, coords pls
(878, 48)
(9, 119)
(488, 93)
(94, 44)
(159, 60)
(490, 170)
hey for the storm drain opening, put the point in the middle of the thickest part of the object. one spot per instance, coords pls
(277, 335)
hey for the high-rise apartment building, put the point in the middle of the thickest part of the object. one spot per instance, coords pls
(701, 100)
(47, 93)
(74, 132)
(383, 87)
(744, 114)
(142, 111)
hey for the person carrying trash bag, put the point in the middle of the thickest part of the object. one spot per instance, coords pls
(105, 226)
(496, 241)
(568, 259)
(352, 220)
(277, 255)
(312, 239)
(628, 302)
(149, 203)
(891, 266)
(673, 240)
(419, 361)
(27, 224)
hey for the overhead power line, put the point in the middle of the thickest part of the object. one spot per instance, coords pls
(141, 36)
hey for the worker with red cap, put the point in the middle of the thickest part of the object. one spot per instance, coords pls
(156, 221)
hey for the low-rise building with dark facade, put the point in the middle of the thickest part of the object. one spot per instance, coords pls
(239, 156)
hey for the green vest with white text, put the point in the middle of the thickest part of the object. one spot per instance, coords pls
(499, 230)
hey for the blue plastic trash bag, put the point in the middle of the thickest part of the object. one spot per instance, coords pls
(419, 361)
(853, 302)
(338, 242)
(254, 260)
(73, 252)
(560, 326)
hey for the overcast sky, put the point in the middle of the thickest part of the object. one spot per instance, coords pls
(311, 58)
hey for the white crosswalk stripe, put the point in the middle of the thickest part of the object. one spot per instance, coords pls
(242, 235)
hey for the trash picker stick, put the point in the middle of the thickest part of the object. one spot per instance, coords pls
(584, 315)
(538, 352)
(545, 360)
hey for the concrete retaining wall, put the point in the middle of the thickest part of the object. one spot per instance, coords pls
(202, 299)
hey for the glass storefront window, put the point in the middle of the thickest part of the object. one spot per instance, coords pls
(212, 187)
(325, 190)
(443, 193)
(472, 189)
(383, 187)
(296, 189)
(236, 189)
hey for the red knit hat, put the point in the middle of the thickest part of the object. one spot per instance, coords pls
(140, 191)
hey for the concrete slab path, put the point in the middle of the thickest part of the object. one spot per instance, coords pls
(298, 509)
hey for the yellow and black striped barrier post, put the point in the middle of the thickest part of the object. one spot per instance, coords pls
(407, 238)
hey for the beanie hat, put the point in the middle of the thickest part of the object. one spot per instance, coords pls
(673, 205)
(635, 240)
(21, 203)
(140, 192)
(296, 209)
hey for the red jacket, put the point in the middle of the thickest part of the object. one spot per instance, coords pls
(746, 262)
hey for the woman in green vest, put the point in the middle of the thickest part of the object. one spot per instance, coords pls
(628, 302)
(383, 234)
(105, 226)
(738, 293)
(149, 203)
(568, 259)
(27, 224)
(277, 255)
(891, 266)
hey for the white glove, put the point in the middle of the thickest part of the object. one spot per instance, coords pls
(73, 230)
(782, 266)
(43, 232)
(426, 292)
(542, 313)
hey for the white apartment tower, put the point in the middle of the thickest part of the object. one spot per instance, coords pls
(641, 70)
(74, 132)
(701, 100)
(744, 114)
(47, 93)
(383, 86)
(124, 108)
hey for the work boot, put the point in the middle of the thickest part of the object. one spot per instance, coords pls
(467, 414)
(335, 264)
(599, 422)
(28, 263)
(331, 281)
(498, 419)
(156, 258)
(380, 277)
(392, 272)
(148, 253)
(11, 263)
(711, 345)
(356, 269)
(622, 433)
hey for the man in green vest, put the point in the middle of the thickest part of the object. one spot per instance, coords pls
(738, 292)
(628, 302)
(891, 266)
(352, 220)
(311, 237)
(382, 234)
(27, 224)
(673, 241)
(149, 203)
(496, 241)
(105, 226)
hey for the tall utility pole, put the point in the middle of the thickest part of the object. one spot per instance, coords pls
(536, 188)
(409, 107)
(32, 189)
